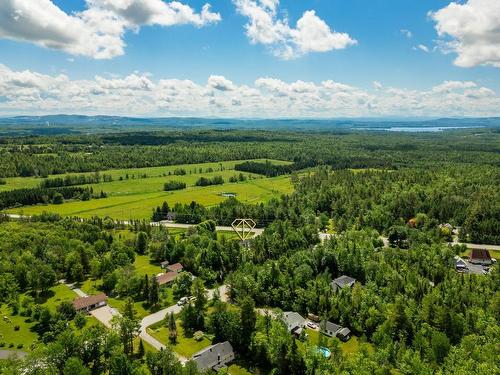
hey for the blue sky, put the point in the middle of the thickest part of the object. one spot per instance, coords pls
(196, 50)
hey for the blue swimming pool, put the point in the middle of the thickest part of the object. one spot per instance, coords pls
(325, 351)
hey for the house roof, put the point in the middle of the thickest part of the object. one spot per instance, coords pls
(481, 254)
(167, 277)
(344, 332)
(343, 281)
(293, 320)
(210, 357)
(164, 263)
(332, 327)
(459, 262)
(176, 267)
(84, 302)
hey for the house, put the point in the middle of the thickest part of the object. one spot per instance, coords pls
(176, 267)
(460, 264)
(90, 302)
(214, 357)
(344, 334)
(342, 282)
(164, 264)
(294, 322)
(481, 256)
(165, 279)
(334, 330)
(329, 329)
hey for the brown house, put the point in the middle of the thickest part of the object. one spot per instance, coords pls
(166, 278)
(90, 302)
(176, 267)
(480, 256)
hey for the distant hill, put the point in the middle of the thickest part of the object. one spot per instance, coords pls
(67, 124)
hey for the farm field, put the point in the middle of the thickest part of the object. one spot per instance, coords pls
(136, 198)
(192, 170)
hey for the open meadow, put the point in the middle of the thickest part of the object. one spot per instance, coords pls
(134, 193)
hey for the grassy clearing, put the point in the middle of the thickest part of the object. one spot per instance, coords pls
(12, 339)
(348, 348)
(58, 294)
(136, 199)
(186, 346)
(136, 174)
(144, 266)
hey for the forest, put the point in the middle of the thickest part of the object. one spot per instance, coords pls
(372, 206)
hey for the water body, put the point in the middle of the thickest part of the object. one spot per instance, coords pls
(430, 129)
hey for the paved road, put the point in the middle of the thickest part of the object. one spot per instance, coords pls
(160, 315)
(166, 224)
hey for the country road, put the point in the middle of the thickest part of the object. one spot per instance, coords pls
(166, 224)
(106, 313)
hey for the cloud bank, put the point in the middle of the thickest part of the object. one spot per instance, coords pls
(96, 32)
(28, 92)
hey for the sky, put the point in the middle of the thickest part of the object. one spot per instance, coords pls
(251, 58)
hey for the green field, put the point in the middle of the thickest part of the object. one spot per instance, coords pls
(136, 198)
(185, 346)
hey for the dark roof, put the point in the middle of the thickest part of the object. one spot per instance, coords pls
(209, 357)
(332, 327)
(343, 281)
(84, 302)
(165, 278)
(176, 267)
(482, 254)
(293, 320)
(344, 332)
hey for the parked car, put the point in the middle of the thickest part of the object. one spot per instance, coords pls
(312, 325)
(182, 301)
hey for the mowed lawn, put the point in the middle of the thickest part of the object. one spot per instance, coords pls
(136, 198)
(141, 205)
(185, 346)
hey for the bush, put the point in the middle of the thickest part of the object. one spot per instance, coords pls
(198, 335)
(2, 344)
(174, 185)
(20, 346)
(17, 328)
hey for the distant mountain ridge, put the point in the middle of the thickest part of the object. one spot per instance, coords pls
(61, 124)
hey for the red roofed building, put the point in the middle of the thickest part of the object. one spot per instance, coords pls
(166, 278)
(90, 302)
(480, 256)
(176, 267)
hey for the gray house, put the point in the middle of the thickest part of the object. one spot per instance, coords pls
(330, 329)
(342, 282)
(334, 330)
(294, 322)
(214, 357)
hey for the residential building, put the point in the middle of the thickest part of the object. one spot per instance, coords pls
(481, 256)
(167, 278)
(90, 302)
(334, 330)
(214, 357)
(342, 282)
(294, 321)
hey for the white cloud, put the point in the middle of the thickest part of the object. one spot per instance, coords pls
(28, 92)
(97, 31)
(311, 33)
(220, 83)
(422, 47)
(407, 33)
(471, 30)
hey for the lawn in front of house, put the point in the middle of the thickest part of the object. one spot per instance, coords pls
(58, 294)
(186, 346)
(144, 266)
(348, 348)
